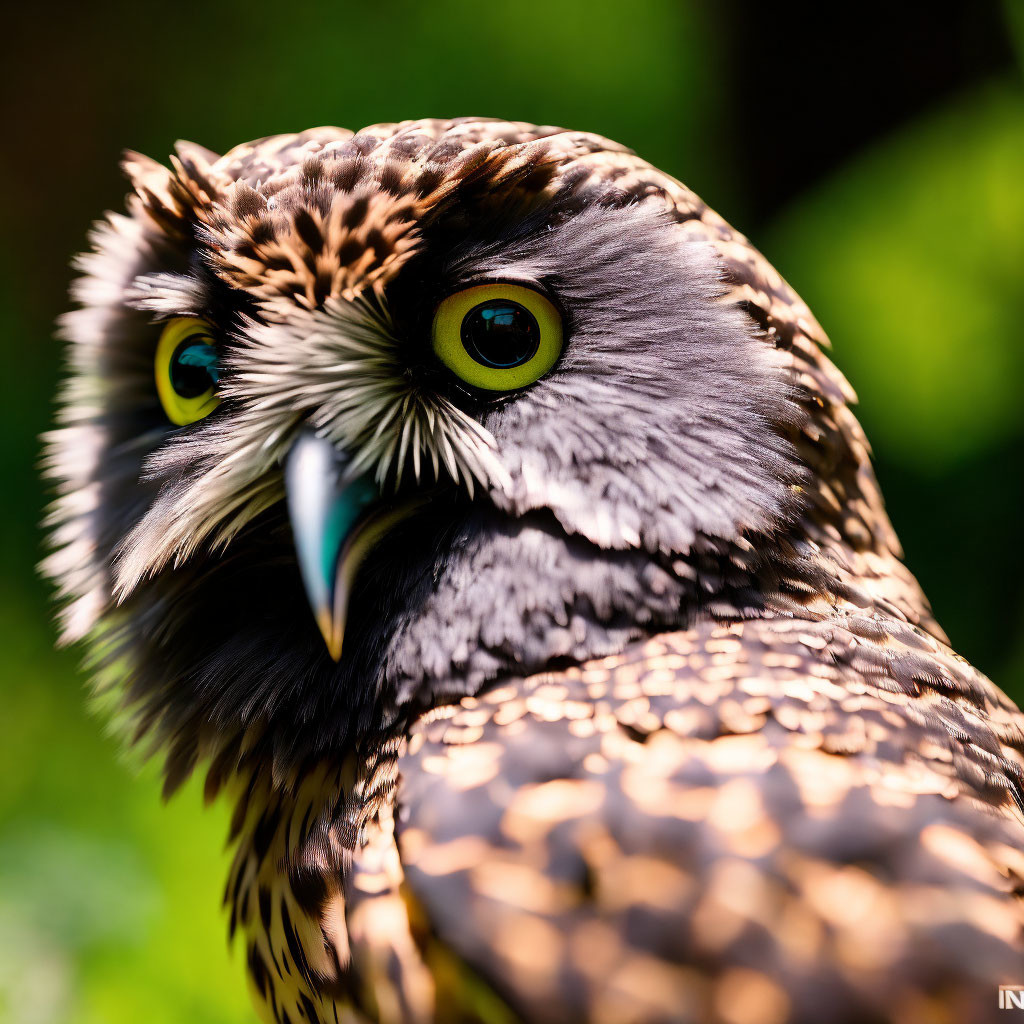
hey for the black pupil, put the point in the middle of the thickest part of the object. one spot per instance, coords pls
(500, 334)
(193, 368)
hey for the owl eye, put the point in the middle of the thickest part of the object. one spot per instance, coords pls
(497, 337)
(186, 371)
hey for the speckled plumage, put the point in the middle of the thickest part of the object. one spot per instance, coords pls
(642, 718)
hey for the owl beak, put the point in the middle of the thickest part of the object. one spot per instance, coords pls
(337, 517)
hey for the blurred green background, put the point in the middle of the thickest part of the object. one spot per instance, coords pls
(877, 157)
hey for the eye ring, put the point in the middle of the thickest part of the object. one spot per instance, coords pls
(497, 337)
(186, 370)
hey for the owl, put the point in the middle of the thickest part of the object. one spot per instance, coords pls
(482, 515)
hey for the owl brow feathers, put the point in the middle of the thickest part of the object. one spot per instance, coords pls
(338, 368)
(344, 366)
(334, 223)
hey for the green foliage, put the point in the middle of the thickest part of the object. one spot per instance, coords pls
(1015, 22)
(912, 258)
(109, 899)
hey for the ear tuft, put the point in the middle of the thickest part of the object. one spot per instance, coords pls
(194, 168)
(192, 151)
(159, 191)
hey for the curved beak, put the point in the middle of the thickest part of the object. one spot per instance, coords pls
(337, 517)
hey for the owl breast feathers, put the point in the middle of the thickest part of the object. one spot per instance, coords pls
(482, 514)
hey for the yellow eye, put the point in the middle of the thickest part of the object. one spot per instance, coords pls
(186, 370)
(497, 337)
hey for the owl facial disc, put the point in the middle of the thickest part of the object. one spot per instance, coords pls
(337, 517)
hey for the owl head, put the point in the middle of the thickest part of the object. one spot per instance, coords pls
(354, 423)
